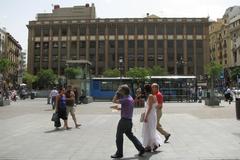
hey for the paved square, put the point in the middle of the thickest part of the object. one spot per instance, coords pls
(198, 133)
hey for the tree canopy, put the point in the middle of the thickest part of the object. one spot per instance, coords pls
(46, 78)
(213, 69)
(29, 79)
(138, 73)
(5, 64)
(72, 72)
(111, 73)
(157, 71)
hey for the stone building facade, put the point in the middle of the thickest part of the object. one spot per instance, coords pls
(179, 45)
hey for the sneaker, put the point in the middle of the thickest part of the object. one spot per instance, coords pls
(166, 138)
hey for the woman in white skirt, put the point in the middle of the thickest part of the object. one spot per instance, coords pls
(151, 140)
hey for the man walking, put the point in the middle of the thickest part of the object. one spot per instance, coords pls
(70, 100)
(157, 93)
(53, 94)
(125, 124)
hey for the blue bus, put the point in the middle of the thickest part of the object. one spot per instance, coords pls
(174, 88)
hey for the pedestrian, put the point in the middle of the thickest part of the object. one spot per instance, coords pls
(76, 95)
(151, 140)
(139, 101)
(125, 123)
(61, 107)
(82, 96)
(228, 94)
(158, 94)
(200, 94)
(70, 101)
(53, 95)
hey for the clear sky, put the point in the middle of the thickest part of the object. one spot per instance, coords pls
(15, 14)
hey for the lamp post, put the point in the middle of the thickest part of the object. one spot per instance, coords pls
(67, 65)
(180, 62)
(121, 68)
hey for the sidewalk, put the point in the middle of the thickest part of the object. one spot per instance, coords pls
(198, 133)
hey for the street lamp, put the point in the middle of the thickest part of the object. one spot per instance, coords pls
(180, 62)
(67, 65)
(121, 68)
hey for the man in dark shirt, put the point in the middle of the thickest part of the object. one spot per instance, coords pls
(125, 124)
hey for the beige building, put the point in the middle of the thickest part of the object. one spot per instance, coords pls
(10, 49)
(180, 45)
(220, 43)
(12, 52)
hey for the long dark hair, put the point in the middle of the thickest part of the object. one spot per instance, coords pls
(147, 90)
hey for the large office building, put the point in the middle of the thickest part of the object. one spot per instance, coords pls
(179, 45)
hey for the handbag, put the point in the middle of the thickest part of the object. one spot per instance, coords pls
(55, 117)
(142, 117)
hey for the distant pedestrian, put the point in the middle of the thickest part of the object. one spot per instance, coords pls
(158, 94)
(76, 95)
(200, 94)
(125, 123)
(70, 100)
(61, 107)
(82, 96)
(53, 94)
(229, 95)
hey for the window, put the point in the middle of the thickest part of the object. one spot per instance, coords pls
(179, 29)
(170, 29)
(37, 32)
(82, 30)
(112, 29)
(121, 29)
(131, 29)
(189, 29)
(140, 29)
(101, 29)
(37, 45)
(73, 30)
(151, 28)
(106, 86)
(199, 28)
(64, 31)
(160, 29)
(92, 29)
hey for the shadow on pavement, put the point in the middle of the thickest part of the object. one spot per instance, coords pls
(146, 156)
(55, 130)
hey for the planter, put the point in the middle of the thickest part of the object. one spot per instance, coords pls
(4, 102)
(212, 101)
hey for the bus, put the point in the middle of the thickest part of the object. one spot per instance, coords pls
(173, 88)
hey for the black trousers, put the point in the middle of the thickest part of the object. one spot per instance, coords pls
(125, 126)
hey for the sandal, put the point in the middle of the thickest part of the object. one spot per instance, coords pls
(147, 149)
(155, 147)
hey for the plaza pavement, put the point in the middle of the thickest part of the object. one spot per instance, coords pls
(198, 133)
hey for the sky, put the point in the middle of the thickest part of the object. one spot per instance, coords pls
(16, 14)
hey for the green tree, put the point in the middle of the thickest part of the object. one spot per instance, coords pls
(73, 72)
(111, 73)
(29, 79)
(5, 64)
(235, 73)
(140, 74)
(46, 78)
(157, 71)
(213, 70)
